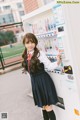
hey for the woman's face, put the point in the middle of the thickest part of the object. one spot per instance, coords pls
(29, 45)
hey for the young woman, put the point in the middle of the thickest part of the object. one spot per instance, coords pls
(43, 88)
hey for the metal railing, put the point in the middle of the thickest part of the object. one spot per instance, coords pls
(11, 55)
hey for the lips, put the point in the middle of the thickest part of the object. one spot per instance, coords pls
(30, 47)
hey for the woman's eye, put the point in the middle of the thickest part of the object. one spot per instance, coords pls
(32, 42)
(27, 43)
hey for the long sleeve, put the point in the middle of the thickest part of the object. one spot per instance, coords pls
(47, 63)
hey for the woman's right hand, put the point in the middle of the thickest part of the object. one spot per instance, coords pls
(24, 71)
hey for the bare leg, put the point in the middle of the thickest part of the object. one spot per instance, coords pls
(48, 108)
(50, 112)
(45, 114)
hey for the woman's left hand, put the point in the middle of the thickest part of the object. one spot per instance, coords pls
(59, 59)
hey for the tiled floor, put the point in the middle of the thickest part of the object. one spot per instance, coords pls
(14, 87)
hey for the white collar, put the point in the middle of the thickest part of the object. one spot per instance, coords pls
(30, 52)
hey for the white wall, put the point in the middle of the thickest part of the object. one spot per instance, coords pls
(72, 20)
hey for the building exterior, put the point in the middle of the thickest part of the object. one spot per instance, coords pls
(31, 5)
(11, 12)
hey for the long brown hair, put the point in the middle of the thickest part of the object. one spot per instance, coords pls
(34, 60)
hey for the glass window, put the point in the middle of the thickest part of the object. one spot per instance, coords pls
(21, 13)
(6, 7)
(8, 18)
(47, 1)
(19, 5)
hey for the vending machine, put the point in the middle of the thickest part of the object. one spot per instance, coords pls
(57, 28)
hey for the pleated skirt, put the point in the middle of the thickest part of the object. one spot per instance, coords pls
(43, 89)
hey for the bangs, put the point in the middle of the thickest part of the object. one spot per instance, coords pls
(29, 40)
(29, 37)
